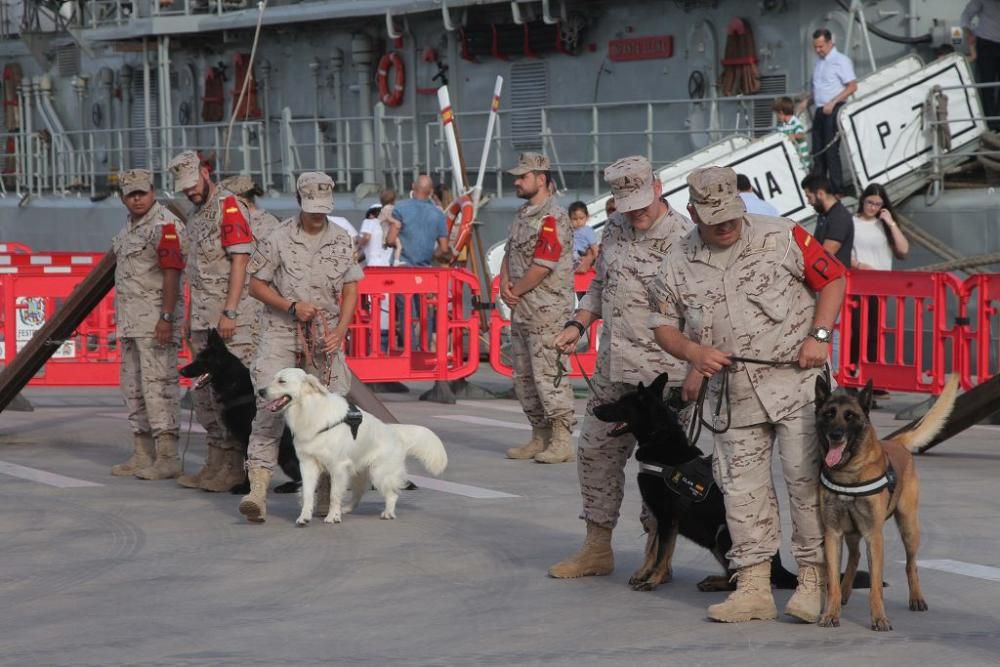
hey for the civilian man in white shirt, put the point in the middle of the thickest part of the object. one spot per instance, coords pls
(833, 81)
(753, 203)
(984, 50)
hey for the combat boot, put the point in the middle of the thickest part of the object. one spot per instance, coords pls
(230, 472)
(560, 449)
(254, 505)
(595, 559)
(142, 456)
(806, 603)
(166, 465)
(752, 598)
(539, 440)
(213, 463)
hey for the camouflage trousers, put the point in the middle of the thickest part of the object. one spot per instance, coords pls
(534, 363)
(207, 409)
(149, 385)
(601, 458)
(279, 349)
(742, 469)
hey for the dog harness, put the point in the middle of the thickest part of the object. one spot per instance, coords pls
(691, 481)
(886, 480)
(352, 418)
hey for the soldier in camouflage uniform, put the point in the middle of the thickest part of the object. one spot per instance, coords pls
(150, 259)
(536, 282)
(306, 276)
(262, 222)
(761, 288)
(220, 240)
(636, 240)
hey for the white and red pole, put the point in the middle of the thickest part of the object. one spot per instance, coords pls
(487, 141)
(448, 124)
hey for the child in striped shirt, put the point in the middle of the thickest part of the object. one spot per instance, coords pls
(784, 109)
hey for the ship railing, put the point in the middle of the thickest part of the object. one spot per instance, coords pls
(104, 13)
(40, 163)
(355, 150)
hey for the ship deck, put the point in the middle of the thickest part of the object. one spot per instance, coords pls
(97, 570)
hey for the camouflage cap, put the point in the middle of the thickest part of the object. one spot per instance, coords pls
(528, 162)
(186, 168)
(316, 191)
(631, 181)
(238, 185)
(135, 180)
(713, 193)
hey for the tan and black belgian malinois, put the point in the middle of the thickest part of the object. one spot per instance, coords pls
(864, 481)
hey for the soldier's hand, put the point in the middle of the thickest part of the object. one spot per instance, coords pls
(226, 328)
(507, 294)
(813, 354)
(708, 361)
(304, 311)
(163, 332)
(692, 385)
(333, 341)
(566, 340)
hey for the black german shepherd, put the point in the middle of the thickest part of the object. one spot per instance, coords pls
(231, 383)
(662, 443)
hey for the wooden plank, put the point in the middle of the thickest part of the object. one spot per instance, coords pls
(971, 408)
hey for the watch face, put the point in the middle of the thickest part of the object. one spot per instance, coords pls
(822, 335)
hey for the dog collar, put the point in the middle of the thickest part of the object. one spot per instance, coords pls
(869, 488)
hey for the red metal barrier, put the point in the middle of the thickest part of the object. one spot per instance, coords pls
(49, 262)
(11, 248)
(917, 348)
(585, 361)
(414, 324)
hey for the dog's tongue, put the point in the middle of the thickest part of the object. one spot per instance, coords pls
(277, 403)
(834, 454)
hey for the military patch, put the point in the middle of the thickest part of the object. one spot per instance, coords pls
(821, 268)
(234, 228)
(168, 251)
(548, 247)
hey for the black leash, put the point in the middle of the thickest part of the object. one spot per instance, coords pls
(562, 371)
(697, 413)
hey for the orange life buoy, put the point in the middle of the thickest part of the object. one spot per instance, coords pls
(389, 61)
(461, 211)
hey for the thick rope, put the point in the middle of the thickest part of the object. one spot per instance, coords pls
(261, 6)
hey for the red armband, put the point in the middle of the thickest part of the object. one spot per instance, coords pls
(235, 228)
(820, 267)
(548, 248)
(169, 248)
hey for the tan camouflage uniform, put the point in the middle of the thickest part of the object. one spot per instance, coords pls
(753, 303)
(148, 370)
(301, 268)
(627, 353)
(542, 312)
(208, 276)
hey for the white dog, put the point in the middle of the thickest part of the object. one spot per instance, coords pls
(324, 442)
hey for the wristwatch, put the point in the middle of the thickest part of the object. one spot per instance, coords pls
(168, 317)
(231, 314)
(821, 334)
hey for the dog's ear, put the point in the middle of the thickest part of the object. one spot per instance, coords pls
(865, 397)
(658, 384)
(822, 391)
(312, 383)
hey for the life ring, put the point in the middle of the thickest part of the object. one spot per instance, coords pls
(391, 61)
(460, 211)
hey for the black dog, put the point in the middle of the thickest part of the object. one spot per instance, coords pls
(231, 383)
(676, 484)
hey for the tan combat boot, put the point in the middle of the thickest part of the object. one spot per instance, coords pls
(595, 559)
(230, 472)
(806, 603)
(539, 439)
(560, 449)
(166, 465)
(752, 598)
(213, 463)
(254, 505)
(143, 451)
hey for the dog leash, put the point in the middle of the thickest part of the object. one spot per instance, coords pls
(312, 337)
(697, 414)
(562, 371)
